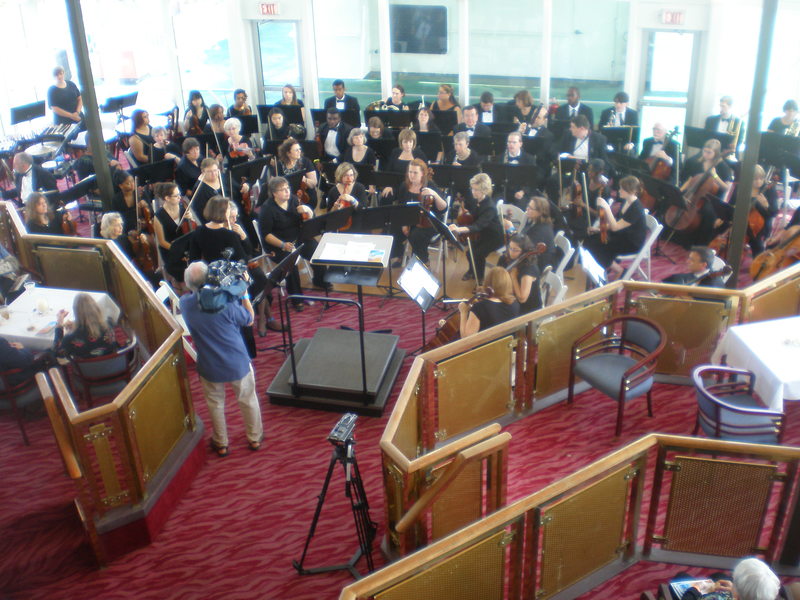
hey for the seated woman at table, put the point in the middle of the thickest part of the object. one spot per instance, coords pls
(40, 218)
(89, 335)
(358, 153)
(497, 307)
(347, 191)
(408, 151)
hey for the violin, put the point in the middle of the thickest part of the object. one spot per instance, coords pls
(540, 248)
(68, 226)
(346, 203)
(450, 327)
(186, 224)
(143, 250)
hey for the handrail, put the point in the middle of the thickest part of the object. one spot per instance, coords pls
(65, 447)
(464, 457)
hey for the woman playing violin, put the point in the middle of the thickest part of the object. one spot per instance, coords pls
(196, 116)
(162, 149)
(239, 150)
(626, 233)
(347, 191)
(170, 222)
(124, 201)
(141, 140)
(417, 188)
(40, 218)
(216, 122)
(539, 229)
(524, 271)
(240, 107)
(499, 306)
(209, 184)
(188, 170)
(291, 160)
(408, 151)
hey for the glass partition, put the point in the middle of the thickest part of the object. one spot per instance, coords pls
(280, 59)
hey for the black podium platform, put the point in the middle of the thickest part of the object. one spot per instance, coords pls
(329, 372)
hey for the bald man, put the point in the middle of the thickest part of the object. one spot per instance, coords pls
(659, 147)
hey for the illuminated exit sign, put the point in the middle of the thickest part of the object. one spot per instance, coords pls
(672, 17)
(269, 8)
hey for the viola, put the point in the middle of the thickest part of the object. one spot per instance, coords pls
(603, 226)
(144, 251)
(540, 248)
(346, 203)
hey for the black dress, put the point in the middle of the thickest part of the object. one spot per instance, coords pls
(202, 194)
(624, 241)
(491, 313)
(397, 165)
(169, 227)
(207, 244)
(526, 267)
(52, 228)
(370, 158)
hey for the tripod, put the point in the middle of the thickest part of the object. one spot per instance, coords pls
(353, 489)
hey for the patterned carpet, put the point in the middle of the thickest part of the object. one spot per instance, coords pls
(245, 518)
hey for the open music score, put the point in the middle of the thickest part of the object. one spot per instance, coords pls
(353, 250)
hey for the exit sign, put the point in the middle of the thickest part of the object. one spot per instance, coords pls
(672, 17)
(268, 8)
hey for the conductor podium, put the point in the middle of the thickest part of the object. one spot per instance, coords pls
(338, 369)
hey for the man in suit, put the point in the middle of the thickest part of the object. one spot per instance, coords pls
(487, 110)
(620, 115)
(581, 143)
(340, 100)
(699, 264)
(725, 122)
(30, 177)
(538, 129)
(471, 125)
(658, 147)
(515, 155)
(574, 107)
(333, 135)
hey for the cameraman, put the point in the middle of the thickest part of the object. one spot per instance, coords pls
(222, 358)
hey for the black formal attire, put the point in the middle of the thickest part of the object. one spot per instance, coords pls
(170, 228)
(702, 280)
(280, 104)
(275, 134)
(625, 241)
(202, 194)
(542, 233)
(564, 113)
(733, 123)
(515, 112)
(480, 130)
(286, 226)
(207, 244)
(52, 228)
(342, 131)
(436, 110)
(473, 159)
(596, 143)
(186, 174)
(630, 117)
(370, 158)
(432, 128)
(41, 180)
(418, 237)
(491, 313)
(397, 165)
(523, 158)
(197, 125)
(523, 268)
(160, 154)
(544, 156)
(650, 145)
(350, 103)
(128, 213)
(65, 98)
(758, 240)
(705, 231)
(235, 113)
(359, 192)
(487, 224)
(488, 116)
(304, 166)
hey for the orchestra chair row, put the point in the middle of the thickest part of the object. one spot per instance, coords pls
(618, 358)
(567, 251)
(551, 287)
(17, 397)
(727, 408)
(167, 296)
(643, 256)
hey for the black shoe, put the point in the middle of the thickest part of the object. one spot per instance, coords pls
(469, 275)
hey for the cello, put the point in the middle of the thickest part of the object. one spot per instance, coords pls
(770, 261)
(700, 186)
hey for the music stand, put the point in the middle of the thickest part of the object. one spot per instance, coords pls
(502, 124)
(384, 179)
(454, 178)
(396, 119)
(619, 136)
(695, 137)
(558, 127)
(274, 279)
(249, 125)
(163, 170)
(535, 146)
(310, 149)
(116, 104)
(421, 286)
(447, 237)
(430, 142)
(250, 170)
(446, 121)
(499, 141)
(383, 147)
(624, 163)
(27, 112)
(294, 180)
(293, 113)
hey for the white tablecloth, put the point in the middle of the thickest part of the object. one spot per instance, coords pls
(771, 350)
(36, 330)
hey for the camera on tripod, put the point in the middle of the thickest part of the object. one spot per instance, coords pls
(342, 432)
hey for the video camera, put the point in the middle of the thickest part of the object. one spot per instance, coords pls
(225, 283)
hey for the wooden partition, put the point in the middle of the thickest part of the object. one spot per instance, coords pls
(123, 455)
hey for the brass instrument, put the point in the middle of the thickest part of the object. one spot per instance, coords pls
(794, 129)
(734, 128)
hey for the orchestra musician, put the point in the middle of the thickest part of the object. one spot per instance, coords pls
(471, 126)
(522, 112)
(581, 143)
(538, 128)
(377, 130)
(574, 107)
(709, 160)
(500, 305)
(30, 177)
(279, 223)
(396, 100)
(417, 187)
(524, 271)
(277, 126)
(141, 140)
(515, 155)
(358, 152)
(239, 108)
(698, 263)
(216, 121)
(333, 134)
(163, 149)
(167, 221)
(209, 184)
(424, 121)
(462, 155)
(407, 151)
(539, 229)
(64, 99)
(40, 218)
(291, 160)
(619, 114)
(239, 150)
(598, 187)
(725, 122)
(658, 147)
(81, 151)
(446, 102)
(340, 100)
(786, 122)
(124, 200)
(347, 191)
(196, 115)
(289, 97)
(626, 232)
(112, 228)
(486, 108)
(188, 170)
(485, 222)
(764, 200)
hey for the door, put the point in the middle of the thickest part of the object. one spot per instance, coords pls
(279, 54)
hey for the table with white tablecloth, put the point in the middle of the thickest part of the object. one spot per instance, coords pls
(771, 350)
(31, 318)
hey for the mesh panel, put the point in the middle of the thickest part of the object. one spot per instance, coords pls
(473, 574)
(460, 503)
(583, 533)
(716, 506)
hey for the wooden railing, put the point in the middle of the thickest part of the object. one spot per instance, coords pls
(578, 532)
(520, 367)
(115, 450)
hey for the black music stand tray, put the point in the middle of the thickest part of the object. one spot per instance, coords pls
(421, 286)
(534, 146)
(163, 170)
(27, 112)
(619, 136)
(430, 142)
(512, 175)
(695, 137)
(449, 238)
(384, 179)
(396, 119)
(454, 178)
(314, 375)
(446, 121)
(383, 147)
(250, 170)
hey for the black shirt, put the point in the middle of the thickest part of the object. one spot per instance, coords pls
(358, 192)
(370, 158)
(187, 174)
(493, 313)
(397, 165)
(65, 98)
(283, 224)
(207, 244)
